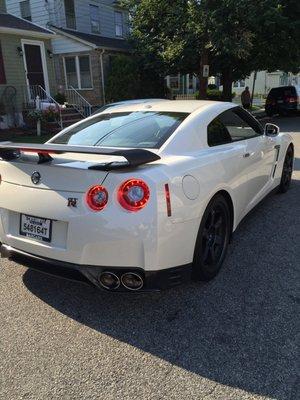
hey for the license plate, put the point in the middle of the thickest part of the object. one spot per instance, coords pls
(36, 228)
(279, 101)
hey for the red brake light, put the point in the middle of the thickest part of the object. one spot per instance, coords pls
(133, 194)
(97, 197)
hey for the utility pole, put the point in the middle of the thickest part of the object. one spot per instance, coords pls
(204, 74)
(253, 87)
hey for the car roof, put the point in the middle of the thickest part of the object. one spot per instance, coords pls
(118, 104)
(135, 101)
(180, 106)
(284, 87)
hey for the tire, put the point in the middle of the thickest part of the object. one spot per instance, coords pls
(287, 171)
(212, 240)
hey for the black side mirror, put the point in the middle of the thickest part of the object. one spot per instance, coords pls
(271, 130)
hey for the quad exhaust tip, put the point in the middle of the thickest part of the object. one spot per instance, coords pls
(132, 281)
(109, 280)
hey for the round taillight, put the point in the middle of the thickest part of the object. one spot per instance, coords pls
(97, 197)
(133, 194)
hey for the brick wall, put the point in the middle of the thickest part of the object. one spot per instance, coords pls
(93, 96)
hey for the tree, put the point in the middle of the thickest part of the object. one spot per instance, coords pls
(257, 35)
(132, 77)
(122, 82)
(234, 37)
(168, 34)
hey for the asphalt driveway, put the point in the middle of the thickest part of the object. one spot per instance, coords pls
(234, 338)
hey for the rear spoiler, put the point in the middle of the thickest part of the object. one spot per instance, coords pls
(133, 157)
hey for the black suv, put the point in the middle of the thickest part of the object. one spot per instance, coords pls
(283, 100)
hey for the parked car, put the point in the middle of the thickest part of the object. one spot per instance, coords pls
(142, 198)
(283, 100)
(124, 103)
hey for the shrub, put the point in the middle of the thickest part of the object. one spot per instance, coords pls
(212, 86)
(50, 115)
(123, 80)
(131, 78)
(35, 115)
(214, 94)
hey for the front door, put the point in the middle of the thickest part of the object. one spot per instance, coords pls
(35, 65)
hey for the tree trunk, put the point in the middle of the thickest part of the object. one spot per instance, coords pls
(203, 80)
(227, 84)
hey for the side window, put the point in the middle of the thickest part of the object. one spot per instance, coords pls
(217, 133)
(232, 126)
(237, 126)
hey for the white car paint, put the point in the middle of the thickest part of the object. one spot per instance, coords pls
(148, 239)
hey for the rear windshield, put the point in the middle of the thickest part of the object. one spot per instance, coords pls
(283, 91)
(128, 129)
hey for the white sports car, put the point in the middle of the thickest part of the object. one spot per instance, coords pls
(142, 197)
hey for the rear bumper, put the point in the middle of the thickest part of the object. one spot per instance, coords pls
(153, 280)
(282, 107)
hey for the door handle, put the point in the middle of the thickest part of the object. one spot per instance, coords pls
(246, 155)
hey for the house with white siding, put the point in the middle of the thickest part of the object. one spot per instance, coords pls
(88, 34)
(25, 63)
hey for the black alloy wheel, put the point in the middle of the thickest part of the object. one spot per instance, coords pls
(212, 241)
(287, 171)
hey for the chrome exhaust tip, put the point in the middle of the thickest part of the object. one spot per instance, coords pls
(109, 280)
(132, 281)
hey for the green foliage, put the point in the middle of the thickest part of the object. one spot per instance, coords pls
(211, 86)
(36, 115)
(214, 94)
(123, 80)
(132, 78)
(60, 98)
(238, 36)
(48, 115)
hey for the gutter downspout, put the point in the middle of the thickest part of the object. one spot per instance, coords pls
(102, 76)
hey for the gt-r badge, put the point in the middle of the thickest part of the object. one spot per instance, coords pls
(72, 202)
(35, 178)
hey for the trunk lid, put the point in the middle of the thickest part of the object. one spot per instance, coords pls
(65, 168)
(59, 175)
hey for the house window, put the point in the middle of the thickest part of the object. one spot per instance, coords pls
(78, 72)
(119, 23)
(25, 10)
(174, 82)
(239, 84)
(2, 70)
(95, 19)
(70, 14)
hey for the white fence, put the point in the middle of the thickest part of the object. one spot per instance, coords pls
(186, 97)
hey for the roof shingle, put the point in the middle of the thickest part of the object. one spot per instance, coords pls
(13, 22)
(99, 41)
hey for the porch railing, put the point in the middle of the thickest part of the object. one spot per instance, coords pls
(35, 96)
(80, 104)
